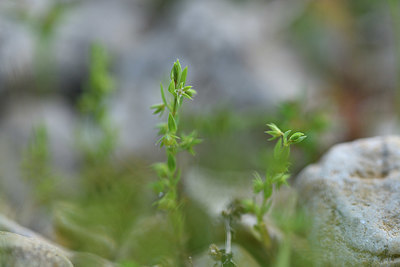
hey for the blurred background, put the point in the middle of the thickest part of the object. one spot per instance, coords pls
(327, 68)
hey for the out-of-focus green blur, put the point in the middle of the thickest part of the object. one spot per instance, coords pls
(77, 136)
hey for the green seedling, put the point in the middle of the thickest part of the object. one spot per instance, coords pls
(224, 257)
(36, 166)
(100, 141)
(275, 177)
(173, 141)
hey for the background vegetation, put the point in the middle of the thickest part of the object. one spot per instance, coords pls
(78, 137)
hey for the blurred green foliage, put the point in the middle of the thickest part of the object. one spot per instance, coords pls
(225, 130)
(169, 172)
(36, 167)
(98, 136)
(111, 213)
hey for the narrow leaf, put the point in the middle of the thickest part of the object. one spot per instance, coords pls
(273, 127)
(171, 162)
(286, 134)
(171, 87)
(187, 96)
(172, 73)
(184, 74)
(191, 92)
(163, 95)
(171, 123)
(278, 148)
(178, 68)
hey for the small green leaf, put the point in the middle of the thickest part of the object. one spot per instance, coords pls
(161, 169)
(284, 156)
(281, 179)
(301, 138)
(169, 140)
(158, 108)
(175, 181)
(268, 189)
(177, 71)
(273, 134)
(248, 205)
(163, 95)
(172, 73)
(297, 138)
(285, 137)
(167, 202)
(278, 148)
(258, 183)
(188, 141)
(274, 128)
(191, 92)
(171, 124)
(171, 87)
(160, 141)
(163, 128)
(178, 80)
(171, 162)
(183, 76)
(160, 186)
(186, 96)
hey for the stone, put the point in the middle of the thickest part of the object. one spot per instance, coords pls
(21, 247)
(353, 195)
(20, 251)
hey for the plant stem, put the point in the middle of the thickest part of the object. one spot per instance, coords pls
(228, 243)
(174, 107)
(168, 172)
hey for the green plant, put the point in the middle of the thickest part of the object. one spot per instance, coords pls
(224, 257)
(87, 219)
(36, 166)
(276, 176)
(174, 142)
(96, 221)
(100, 134)
(294, 114)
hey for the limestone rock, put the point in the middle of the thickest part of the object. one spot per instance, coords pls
(20, 246)
(354, 197)
(20, 251)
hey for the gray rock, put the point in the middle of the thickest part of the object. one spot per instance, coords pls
(20, 246)
(354, 195)
(17, 250)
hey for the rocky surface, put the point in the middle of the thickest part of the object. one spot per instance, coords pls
(21, 247)
(354, 195)
(17, 250)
